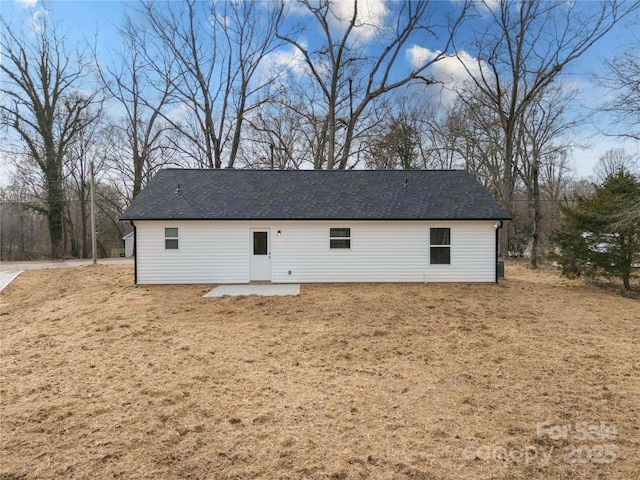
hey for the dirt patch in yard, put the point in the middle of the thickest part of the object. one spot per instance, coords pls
(101, 380)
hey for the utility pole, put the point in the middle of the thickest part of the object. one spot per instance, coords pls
(272, 162)
(93, 217)
(271, 147)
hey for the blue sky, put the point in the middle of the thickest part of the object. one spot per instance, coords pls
(86, 19)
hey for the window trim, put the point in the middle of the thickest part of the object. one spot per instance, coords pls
(171, 238)
(340, 238)
(434, 245)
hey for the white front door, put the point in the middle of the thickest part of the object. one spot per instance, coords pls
(260, 254)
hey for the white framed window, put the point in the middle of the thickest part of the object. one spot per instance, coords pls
(440, 243)
(339, 238)
(171, 239)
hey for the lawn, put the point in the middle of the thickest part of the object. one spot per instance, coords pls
(103, 380)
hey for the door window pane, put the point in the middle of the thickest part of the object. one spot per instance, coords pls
(259, 243)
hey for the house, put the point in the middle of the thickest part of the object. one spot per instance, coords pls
(128, 240)
(240, 226)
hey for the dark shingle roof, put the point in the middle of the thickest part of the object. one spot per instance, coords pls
(314, 195)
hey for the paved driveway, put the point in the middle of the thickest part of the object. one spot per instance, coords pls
(7, 277)
(10, 270)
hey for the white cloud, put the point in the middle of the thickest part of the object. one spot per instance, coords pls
(487, 8)
(451, 71)
(449, 68)
(26, 3)
(456, 69)
(285, 59)
(180, 113)
(371, 16)
(37, 20)
(420, 55)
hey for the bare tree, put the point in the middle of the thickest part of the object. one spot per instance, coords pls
(143, 97)
(250, 36)
(474, 128)
(210, 54)
(544, 137)
(23, 234)
(184, 55)
(83, 151)
(305, 104)
(291, 130)
(440, 138)
(622, 80)
(396, 142)
(614, 161)
(275, 138)
(557, 176)
(351, 77)
(522, 50)
(43, 106)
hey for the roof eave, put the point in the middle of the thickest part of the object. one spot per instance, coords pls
(322, 219)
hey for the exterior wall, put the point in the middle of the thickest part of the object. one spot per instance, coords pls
(393, 251)
(128, 244)
(208, 252)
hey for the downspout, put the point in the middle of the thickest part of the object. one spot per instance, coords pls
(135, 254)
(498, 227)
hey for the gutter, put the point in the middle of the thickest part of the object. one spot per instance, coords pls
(313, 219)
(498, 227)
(135, 254)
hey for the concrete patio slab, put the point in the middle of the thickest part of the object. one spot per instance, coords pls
(263, 290)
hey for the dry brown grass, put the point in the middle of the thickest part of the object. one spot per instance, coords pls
(345, 381)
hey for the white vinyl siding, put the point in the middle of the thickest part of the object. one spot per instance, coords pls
(473, 253)
(384, 251)
(392, 251)
(207, 253)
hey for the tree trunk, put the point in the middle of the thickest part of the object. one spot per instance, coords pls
(507, 186)
(55, 213)
(83, 220)
(54, 218)
(138, 165)
(537, 215)
(626, 275)
(235, 143)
